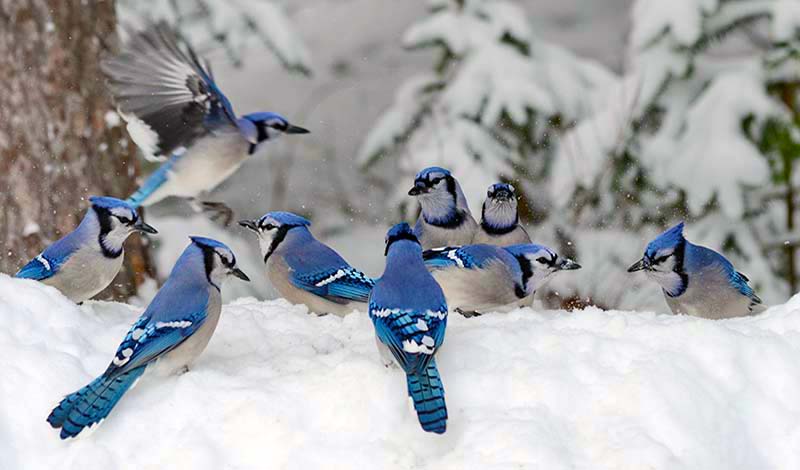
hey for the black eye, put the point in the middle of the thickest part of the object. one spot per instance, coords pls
(660, 259)
(268, 227)
(436, 180)
(543, 260)
(124, 220)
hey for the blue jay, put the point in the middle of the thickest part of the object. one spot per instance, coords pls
(409, 312)
(174, 109)
(86, 260)
(304, 270)
(482, 278)
(445, 219)
(696, 280)
(173, 330)
(499, 218)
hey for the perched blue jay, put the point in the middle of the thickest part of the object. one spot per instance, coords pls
(499, 218)
(696, 280)
(409, 312)
(306, 271)
(173, 330)
(445, 219)
(86, 260)
(174, 109)
(485, 278)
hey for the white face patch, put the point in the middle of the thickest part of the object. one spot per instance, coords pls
(226, 255)
(122, 212)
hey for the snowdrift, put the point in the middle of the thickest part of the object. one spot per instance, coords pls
(278, 388)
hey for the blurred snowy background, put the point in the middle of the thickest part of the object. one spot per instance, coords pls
(614, 118)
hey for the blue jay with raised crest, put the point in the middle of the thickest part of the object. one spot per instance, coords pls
(445, 219)
(174, 109)
(86, 260)
(697, 280)
(500, 219)
(485, 278)
(306, 271)
(172, 332)
(409, 312)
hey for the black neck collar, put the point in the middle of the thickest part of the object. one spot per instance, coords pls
(104, 220)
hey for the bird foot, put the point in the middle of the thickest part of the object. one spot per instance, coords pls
(467, 314)
(219, 212)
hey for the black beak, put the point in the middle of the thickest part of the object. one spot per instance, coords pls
(296, 130)
(638, 266)
(568, 265)
(140, 226)
(251, 224)
(241, 275)
(419, 188)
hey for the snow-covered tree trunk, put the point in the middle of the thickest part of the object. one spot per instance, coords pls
(56, 146)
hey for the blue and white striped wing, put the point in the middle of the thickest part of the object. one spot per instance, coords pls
(467, 256)
(38, 269)
(148, 339)
(412, 336)
(340, 285)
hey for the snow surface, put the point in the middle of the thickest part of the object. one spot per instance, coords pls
(278, 388)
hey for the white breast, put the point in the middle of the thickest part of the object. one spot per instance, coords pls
(210, 161)
(85, 274)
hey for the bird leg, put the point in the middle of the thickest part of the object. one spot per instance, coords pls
(218, 212)
(466, 313)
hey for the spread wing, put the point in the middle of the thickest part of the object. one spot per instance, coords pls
(164, 92)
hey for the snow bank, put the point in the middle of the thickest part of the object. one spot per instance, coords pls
(278, 388)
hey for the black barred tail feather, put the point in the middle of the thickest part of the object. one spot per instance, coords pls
(92, 403)
(427, 392)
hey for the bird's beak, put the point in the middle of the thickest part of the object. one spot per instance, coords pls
(240, 274)
(638, 266)
(568, 265)
(140, 226)
(296, 130)
(419, 188)
(251, 224)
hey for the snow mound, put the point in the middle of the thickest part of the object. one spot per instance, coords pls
(278, 388)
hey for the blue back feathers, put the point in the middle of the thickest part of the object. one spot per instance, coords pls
(669, 239)
(315, 267)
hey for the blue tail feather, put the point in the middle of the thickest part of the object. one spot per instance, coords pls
(92, 403)
(153, 182)
(427, 392)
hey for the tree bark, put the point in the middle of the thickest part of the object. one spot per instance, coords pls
(56, 145)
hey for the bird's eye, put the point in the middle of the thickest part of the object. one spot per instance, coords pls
(268, 227)
(124, 220)
(661, 259)
(436, 180)
(543, 260)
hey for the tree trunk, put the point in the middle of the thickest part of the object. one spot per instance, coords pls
(57, 146)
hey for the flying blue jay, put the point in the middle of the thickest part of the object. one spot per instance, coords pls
(500, 221)
(484, 278)
(304, 270)
(445, 219)
(409, 312)
(174, 109)
(173, 330)
(696, 280)
(86, 260)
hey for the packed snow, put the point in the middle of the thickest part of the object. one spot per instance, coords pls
(280, 388)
